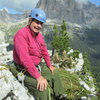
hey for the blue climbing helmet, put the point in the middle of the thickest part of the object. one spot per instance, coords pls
(38, 14)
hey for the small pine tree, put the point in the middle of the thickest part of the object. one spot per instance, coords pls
(60, 40)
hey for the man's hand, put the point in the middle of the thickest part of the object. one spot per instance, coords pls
(52, 68)
(41, 83)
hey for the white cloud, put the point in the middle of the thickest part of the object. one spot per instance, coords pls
(19, 5)
(82, 2)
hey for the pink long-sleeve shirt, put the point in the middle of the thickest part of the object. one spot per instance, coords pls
(29, 50)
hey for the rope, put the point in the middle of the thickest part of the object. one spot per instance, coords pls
(21, 76)
(23, 72)
(3, 68)
(49, 93)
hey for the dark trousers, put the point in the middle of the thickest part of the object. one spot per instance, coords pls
(54, 88)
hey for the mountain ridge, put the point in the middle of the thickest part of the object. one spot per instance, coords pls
(6, 17)
(70, 10)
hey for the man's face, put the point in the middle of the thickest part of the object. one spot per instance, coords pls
(36, 26)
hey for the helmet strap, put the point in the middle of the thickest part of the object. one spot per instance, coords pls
(30, 21)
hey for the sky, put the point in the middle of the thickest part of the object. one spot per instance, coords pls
(18, 6)
(97, 2)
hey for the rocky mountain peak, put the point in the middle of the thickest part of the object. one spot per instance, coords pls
(4, 13)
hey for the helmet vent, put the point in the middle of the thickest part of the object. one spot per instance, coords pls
(36, 15)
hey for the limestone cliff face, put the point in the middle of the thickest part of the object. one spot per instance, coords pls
(69, 10)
